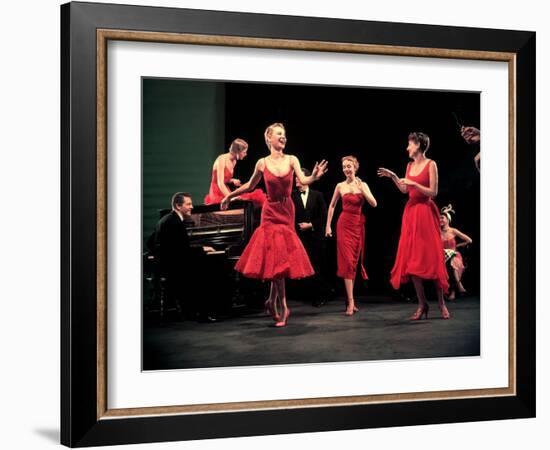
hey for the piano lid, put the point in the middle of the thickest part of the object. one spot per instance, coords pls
(208, 225)
(208, 219)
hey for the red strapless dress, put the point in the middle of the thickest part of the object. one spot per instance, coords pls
(214, 195)
(275, 250)
(350, 237)
(420, 250)
(457, 262)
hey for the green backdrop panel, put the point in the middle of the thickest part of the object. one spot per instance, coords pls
(183, 132)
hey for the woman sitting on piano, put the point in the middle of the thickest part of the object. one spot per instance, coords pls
(222, 176)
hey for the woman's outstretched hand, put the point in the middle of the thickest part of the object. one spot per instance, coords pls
(383, 172)
(320, 169)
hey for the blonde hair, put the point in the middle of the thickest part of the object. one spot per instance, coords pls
(269, 131)
(353, 159)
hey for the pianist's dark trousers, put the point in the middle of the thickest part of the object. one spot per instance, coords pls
(316, 288)
(195, 290)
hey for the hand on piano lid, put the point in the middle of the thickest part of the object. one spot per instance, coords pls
(224, 203)
(208, 249)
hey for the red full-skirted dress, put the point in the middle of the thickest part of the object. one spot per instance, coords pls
(350, 237)
(275, 250)
(215, 195)
(455, 257)
(420, 250)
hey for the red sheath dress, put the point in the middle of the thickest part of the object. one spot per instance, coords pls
(350, 236)
(215, 195)
(275, 250)
(420, 250)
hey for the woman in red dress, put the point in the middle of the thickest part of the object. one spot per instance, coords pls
(350, 229)
(420, 250)
(222, 176)
(452, 255)
(275, 251)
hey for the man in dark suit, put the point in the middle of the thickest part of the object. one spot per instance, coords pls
(310, 219)
(179, 263)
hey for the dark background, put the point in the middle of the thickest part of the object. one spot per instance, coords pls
(186, 124)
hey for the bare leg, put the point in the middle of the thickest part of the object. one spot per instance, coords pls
(271, 302)
(419, 288)
(441, 300)
(355, 308)
(272, 293)
(281, 293)
(281, 289)
(458, 282)
(350, 302)
(423, 306)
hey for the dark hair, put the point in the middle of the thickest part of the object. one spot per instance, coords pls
(307, 172)
(238, 145)
(421, 139)
(178, 198)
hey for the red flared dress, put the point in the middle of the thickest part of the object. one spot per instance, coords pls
(350, 237)
(420, 250)
(215, 195)
(454, 256)
(275, 250)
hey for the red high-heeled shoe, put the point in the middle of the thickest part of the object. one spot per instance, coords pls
(282, 323)
(271, 311)
(421, 311)
(445, 314)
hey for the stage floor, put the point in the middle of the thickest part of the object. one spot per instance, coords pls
(379, 331)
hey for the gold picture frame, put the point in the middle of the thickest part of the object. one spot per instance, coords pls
(78, 426)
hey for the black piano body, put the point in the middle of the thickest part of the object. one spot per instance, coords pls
(227, 231)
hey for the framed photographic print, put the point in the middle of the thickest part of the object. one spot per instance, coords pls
(258, 207)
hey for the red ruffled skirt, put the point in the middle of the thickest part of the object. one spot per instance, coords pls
(257, 196)
(457, 263)
(275, 250)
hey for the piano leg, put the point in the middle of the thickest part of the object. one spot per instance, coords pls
(162, 297)
(237, 299)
